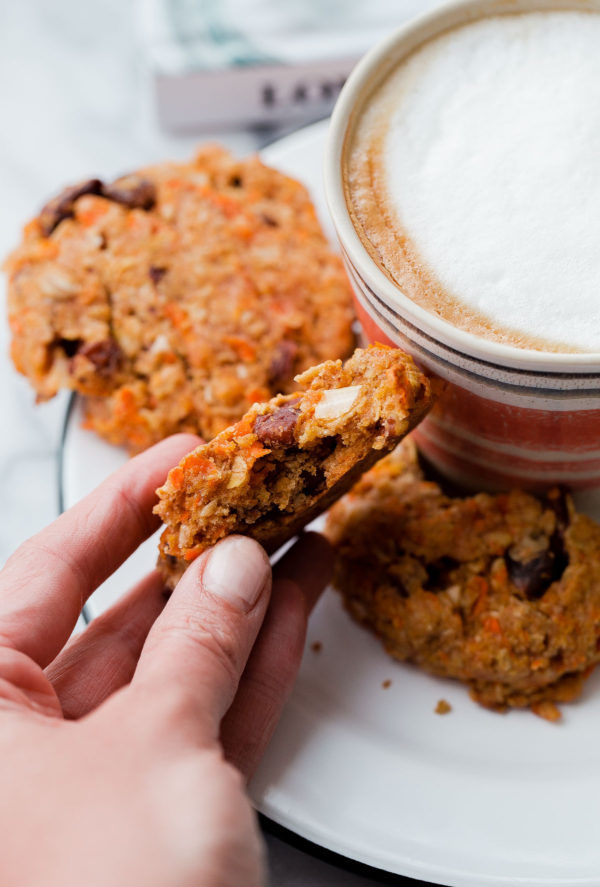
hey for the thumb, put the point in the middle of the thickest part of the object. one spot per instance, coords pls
(197, 649)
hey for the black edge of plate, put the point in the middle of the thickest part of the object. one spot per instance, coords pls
(344, 863)
(60, 477)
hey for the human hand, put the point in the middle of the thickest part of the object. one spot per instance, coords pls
(124, 753)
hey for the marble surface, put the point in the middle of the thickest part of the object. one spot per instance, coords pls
(76, 100)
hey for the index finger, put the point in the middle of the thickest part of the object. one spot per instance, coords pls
(48, 579)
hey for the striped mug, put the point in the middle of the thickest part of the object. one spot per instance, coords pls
(507, 416)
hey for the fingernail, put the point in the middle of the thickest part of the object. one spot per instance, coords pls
(237, 571)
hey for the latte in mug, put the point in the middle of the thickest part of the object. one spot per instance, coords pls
(472, 176)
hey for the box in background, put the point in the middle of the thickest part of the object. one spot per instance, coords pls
(221, 63)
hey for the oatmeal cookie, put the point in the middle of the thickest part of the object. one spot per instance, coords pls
(500, 591)
(174, 298)
(288, 459)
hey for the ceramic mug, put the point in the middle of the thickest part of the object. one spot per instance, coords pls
(507, 416)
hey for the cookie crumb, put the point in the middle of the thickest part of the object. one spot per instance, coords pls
(387, 683)
(443, 707)
(547, 710)
(316, 646)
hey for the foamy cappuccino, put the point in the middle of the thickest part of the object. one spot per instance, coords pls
(473, 178)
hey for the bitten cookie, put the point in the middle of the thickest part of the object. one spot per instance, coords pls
(288, 459)
(175, 297)
(500, 591)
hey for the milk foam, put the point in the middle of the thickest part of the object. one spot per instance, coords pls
(490, 157)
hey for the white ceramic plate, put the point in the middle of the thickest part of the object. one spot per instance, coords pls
(470, 798)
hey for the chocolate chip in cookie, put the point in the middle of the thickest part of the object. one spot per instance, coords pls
(61, 206)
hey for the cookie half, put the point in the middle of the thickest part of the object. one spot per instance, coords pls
(289, 459)
(175, 297)
(500, 591)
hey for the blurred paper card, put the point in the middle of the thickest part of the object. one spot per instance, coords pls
(243, 62)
